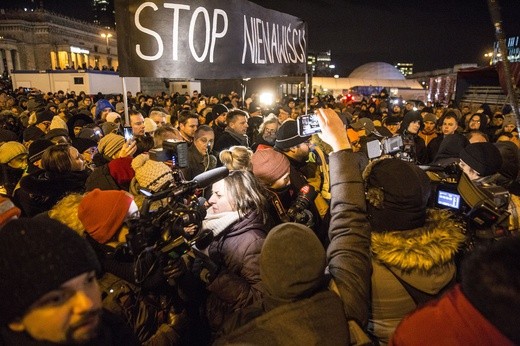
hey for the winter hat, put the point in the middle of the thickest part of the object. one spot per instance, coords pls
(89, 133)
(37, 257)
(37, 148)
(58, 123)
(56, 133)
(7, 211)
(218, 109)
(269, 165)
(33, 105)
(32, 133)
(83, 144)
(102, 213)
(364, 123)
(482, 157)
(102, 104)
(121, 170)
(10, 150)
(391, 120)
(62, 106)
(397, 194)
(149, 125)
(112, 117)
(120, 107)
(44, 116)
(109, 127)
(430, 117)
(6, 136)
(287, 136)
(292, 262)
(111, 144)
(150, 174)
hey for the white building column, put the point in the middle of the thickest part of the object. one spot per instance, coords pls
(2, 70)
(9, 59)
(17, 60)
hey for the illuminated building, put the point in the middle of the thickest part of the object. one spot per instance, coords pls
(41, 40)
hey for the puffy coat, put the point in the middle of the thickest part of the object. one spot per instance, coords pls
(238, 284)
(423, 258)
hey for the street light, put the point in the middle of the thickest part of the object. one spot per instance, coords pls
(106, 36)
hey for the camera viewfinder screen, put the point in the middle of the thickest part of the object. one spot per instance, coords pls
(448, 199)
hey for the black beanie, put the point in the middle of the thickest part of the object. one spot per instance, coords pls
(37, 257)
(292, 262)
(483, 157)
(287, 136)
(397, 195)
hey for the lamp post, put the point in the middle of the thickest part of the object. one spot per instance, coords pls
(106, 36)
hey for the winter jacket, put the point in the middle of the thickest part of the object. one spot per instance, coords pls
(423, 258)
(348, 254)
(452, 320)
(101, 179)
(238, 285)
(41, 190)
(317, 320)
(228, 139)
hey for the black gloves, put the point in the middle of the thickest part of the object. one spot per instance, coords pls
(204, 268)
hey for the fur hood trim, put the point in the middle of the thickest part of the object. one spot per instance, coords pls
(426, 249)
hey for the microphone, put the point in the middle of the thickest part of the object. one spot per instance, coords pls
(210, 177)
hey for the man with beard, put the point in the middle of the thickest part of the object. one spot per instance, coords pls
(266, 133)
(50, 293)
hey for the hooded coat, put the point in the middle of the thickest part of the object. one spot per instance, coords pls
(423, 258)
(413, 144)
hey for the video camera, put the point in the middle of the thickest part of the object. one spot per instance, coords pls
(299, 211)
(385, 146)
(482, 206)
(163, 231)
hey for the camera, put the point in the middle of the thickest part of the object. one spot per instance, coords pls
(174, 150)
(162, 232)
(387, 146)
(299, 211)
(483, 207)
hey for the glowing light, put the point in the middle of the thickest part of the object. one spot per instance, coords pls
(266, 98)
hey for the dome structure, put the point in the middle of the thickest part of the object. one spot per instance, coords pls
(377, 70)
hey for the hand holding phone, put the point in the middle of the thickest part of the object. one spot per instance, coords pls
(128, 133)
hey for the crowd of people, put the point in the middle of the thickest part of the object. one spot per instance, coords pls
(107, 238)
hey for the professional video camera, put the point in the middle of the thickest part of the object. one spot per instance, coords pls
(162, 231)
(482, 206)
(385, 146)
(299, 211)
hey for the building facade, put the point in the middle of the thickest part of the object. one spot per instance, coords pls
(41, 40)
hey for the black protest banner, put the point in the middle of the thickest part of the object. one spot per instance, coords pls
(208, 39)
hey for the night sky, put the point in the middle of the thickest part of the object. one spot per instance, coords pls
(431, 34)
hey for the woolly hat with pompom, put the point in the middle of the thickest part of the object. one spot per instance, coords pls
(151, 175)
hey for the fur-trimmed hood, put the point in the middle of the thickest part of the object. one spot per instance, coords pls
(427, 249)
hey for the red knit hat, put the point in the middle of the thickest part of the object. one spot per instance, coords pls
(269, 165)
(102, 213)
(7, 210)
(121, 170)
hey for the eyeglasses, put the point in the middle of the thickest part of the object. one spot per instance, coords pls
(270, 130)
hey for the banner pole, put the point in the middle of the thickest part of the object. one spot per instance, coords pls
(306, 92)
(125, 101)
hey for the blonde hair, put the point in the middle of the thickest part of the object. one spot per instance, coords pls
(66, 212)
(237, 158)
(254, 200)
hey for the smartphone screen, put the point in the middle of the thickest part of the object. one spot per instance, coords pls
(308, 124)
(127, 131)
